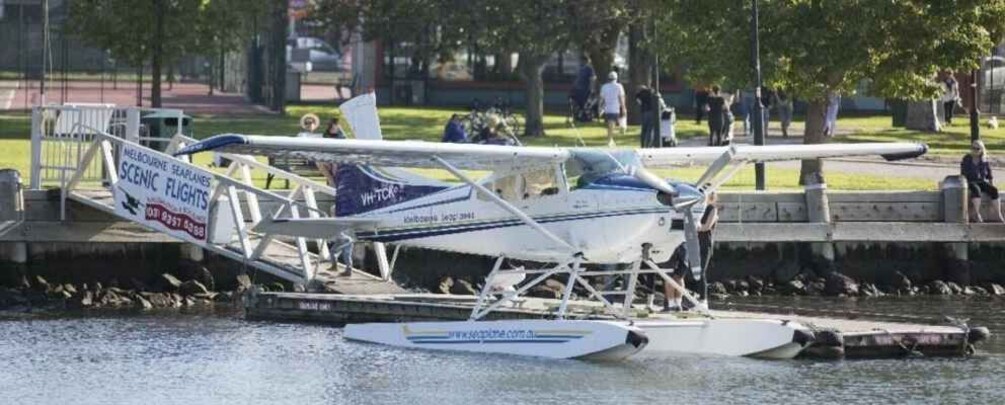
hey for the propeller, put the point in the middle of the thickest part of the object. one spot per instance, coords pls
(682, 198)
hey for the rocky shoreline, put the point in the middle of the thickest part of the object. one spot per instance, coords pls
(834, 284)
(36, 294)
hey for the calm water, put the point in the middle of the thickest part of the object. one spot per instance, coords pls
(220, 358)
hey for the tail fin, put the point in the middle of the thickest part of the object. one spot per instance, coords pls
(363, 189)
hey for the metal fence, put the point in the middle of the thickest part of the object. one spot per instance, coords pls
(61, 134)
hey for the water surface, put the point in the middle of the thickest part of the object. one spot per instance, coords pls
(220, 358)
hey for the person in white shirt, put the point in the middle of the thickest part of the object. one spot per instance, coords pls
(950, 96)
(612, 98)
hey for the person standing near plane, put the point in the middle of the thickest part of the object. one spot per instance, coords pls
(976, 168)
(344, 243)
(612, 96)
(717, 109)
(453, 132)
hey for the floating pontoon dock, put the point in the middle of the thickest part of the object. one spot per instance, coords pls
(836, 338)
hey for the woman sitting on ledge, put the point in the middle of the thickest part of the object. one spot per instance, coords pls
(976, 168)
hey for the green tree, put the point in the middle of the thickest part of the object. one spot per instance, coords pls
(536, 29)
(815, 48)
(137, 32)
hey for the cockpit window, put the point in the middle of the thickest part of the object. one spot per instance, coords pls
(525, 185)
(587, 165)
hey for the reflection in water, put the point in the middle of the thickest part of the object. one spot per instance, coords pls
(159, 358)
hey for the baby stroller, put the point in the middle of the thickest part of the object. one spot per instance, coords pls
(585, 112)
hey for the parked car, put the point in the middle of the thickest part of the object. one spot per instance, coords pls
(322, 56)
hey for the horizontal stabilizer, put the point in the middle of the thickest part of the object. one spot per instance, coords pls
(314, 228)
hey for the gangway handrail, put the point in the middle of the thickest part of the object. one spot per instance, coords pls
(103, 144)
(282, 174)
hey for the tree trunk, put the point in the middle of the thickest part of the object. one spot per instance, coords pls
(278, 53)
(531, 68)
(602, 59)
(504, 64)
(158, 54)
(814, 134)
(639, 70)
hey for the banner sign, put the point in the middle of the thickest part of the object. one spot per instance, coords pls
(163, 193)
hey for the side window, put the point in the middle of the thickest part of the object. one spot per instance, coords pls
(526, 185)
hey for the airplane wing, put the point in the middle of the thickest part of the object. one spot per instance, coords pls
(675, 157)
(383, 153)
(316, 228)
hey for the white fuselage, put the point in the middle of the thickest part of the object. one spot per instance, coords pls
(608, 225)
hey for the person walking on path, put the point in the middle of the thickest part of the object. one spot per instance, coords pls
(700, 104)
(717, 109)
(977, 169)
(612, 96)
(831, 117)
(950, 96)
(784, 105)
(648, 101)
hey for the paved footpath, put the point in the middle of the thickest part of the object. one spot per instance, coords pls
(936, 169)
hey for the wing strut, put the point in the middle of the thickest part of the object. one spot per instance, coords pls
(506, 205)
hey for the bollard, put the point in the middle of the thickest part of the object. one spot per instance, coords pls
(818, 211)
(955, 207)
(955, 210)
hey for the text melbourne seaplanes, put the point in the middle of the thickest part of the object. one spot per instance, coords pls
(163, 193)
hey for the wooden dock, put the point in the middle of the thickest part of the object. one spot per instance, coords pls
(836, 338)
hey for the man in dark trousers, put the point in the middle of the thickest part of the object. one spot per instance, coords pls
(700, 104)
(717, 109)
(646, 99)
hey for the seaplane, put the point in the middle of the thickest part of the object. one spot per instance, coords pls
(571, 208)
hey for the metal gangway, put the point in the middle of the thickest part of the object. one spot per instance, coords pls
(78, 149)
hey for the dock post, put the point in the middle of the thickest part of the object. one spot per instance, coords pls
(955, 210)
(15, 254)
(818, 211)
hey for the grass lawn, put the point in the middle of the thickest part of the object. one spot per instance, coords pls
(426, 124)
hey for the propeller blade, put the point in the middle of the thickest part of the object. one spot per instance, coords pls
(693, 247)
(716, 167)
(652, 180)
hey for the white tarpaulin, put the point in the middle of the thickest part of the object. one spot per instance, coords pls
(163, 193)
(361, 113)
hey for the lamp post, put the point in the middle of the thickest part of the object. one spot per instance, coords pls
(758, 120)
(975, 125)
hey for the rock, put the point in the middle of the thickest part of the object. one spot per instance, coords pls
(40, 284)
(170, 282)
(995, 289)
(816, 288)
(159, 300)
(794, 287)
(554, 284)
(207, 296)
(69, 288)
(978, 290)
(717, 288)
(192, 270)
(869, 290)
(838, 284)
(299, 287)
(955, 288)
(142, 303)
(742, 285)
(242, 283)
(939, 287)
(84, 299)
(445, 285)
(224, 296)
(463, 287)
(192, 287)
(276, 286)
(756, 284)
